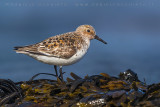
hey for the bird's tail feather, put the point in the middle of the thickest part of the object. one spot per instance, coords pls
(20, 49)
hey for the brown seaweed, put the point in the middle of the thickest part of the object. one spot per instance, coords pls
(91, 91)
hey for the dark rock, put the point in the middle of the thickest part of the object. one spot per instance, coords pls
(129, 76)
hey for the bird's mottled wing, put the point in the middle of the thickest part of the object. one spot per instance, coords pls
(61, 46)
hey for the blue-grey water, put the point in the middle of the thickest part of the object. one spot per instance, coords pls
(131, 28)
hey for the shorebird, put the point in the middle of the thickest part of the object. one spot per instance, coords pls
(61, 50)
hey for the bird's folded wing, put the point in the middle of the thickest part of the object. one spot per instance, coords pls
(59, 47)
(63, 51)
(62, 46)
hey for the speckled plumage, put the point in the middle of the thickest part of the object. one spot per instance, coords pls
(64, 49)
(60, 46)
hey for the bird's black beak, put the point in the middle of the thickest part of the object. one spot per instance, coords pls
(96, 37)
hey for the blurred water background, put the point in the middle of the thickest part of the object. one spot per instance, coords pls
(131, 28)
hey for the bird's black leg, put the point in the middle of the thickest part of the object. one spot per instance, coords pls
(55, 67)
(61, 74)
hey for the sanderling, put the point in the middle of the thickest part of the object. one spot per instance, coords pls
(61, 50)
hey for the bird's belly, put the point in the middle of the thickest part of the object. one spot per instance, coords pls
(60, 61)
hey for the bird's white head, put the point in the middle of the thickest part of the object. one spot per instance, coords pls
(89, 32)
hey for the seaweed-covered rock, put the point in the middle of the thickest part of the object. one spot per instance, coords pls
(129, 76)
(91, 91)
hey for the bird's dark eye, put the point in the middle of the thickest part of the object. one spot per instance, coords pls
(88, 30)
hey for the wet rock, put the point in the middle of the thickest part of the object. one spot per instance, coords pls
(93, 100)
(129, 76)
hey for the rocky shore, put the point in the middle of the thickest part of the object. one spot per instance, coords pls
(100, 90)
